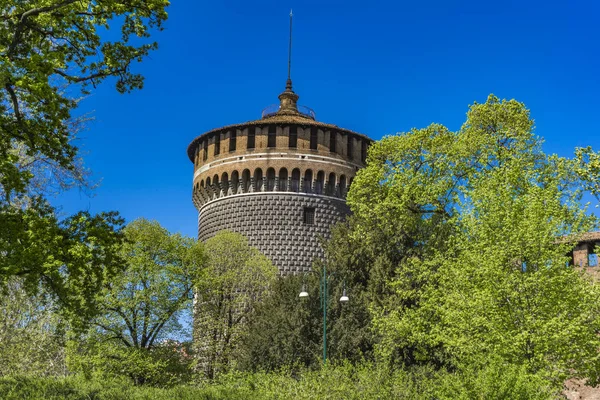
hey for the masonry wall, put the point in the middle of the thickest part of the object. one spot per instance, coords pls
(274, 223)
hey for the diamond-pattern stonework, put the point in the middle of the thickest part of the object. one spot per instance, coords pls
(274, 224)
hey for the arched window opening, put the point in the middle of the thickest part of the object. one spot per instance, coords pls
(251, 137)
(332, 141)
(308, 177)
(320, 182)
(270, 179)
(197, 186)
(258, 179)
(202, 183)
(283, 177)
(293, 137)
(314, 138)
(216, 180)
(331, 185)
(343, 186)
(272, 138)
(225, 181)
(208, 182)
(246, 180)
(295, 180)
(235, 181)
(204, 149)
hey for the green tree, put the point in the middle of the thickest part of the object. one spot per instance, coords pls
(69, 259)
(588, 169)
(467, 233)
(142, 307)
(32, 333)
(49, 50)
(236, 278)
(286, 331)
(51, 53)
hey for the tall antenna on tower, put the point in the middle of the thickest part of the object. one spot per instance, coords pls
(288, 84)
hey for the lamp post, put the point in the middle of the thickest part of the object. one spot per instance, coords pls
(323, 295)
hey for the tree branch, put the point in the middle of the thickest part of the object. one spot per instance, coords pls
(132, 330)
(79, 79)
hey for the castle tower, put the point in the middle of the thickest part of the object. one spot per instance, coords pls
(281, 180)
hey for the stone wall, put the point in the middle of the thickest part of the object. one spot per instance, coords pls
(274, 223)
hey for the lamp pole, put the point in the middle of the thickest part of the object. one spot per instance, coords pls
(324, 305)
(323, 296)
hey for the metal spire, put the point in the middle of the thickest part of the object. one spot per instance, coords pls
(288, 84)
(288, 99)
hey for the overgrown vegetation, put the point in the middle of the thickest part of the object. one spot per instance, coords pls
(365, 381)
(454, 259)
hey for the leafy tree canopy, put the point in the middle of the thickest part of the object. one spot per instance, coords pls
(463, 238)
(237, 277)
(71, 259)
(51, 53)
(141, 308)
(51, 49)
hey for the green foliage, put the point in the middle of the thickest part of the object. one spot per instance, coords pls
(236, 278)
(71, 259)
(163, 365)
(50, 47)
(462, 238)
(32, 334)
(50, 52)
(284, 330)
(287, 331)
(345, 381)
(141, 308)
(588, 169)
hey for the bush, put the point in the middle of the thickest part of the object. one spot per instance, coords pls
(162, 366)
(345, 381)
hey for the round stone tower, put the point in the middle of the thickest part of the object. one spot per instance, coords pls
(281, 181)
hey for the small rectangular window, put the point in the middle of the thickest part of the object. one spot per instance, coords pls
(251, 137)
(205, 150)
(309, 215)
(314, 138)
(332, 140)
(272, 139)
(363, 151)
(350, 147)
(293, 137)
(217, 144)
(232, 138)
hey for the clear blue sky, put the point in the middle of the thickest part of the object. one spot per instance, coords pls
(374, 67)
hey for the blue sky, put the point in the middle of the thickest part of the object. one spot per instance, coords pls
(374, 67)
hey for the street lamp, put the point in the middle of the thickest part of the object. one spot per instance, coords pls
(323, 295)
(344, 297)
